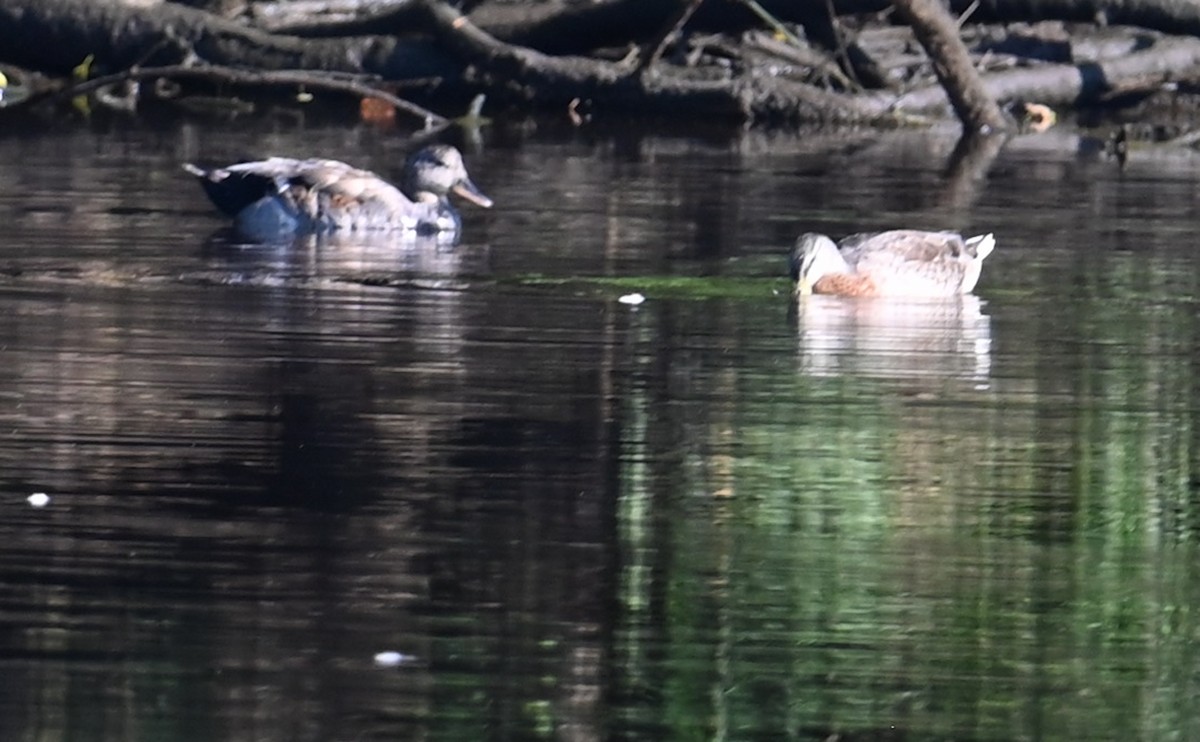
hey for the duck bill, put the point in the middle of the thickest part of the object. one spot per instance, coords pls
(467, 190)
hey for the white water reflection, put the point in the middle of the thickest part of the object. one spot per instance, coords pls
(369, 258)
(895, 338)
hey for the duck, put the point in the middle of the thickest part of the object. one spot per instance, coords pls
(900, 262)
(282, 195)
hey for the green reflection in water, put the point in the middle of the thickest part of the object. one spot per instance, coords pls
(807, 556)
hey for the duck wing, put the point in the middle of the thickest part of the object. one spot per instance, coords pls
(903, 245)
(320, 193)
(912, 262)
(334, 194)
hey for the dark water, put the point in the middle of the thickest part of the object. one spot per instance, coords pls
(712, 516)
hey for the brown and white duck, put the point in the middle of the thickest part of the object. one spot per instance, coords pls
(901, 262)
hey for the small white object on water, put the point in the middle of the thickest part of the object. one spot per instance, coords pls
(632, 299)
(38, 499)
(391, 659)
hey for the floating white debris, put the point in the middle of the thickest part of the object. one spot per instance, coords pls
(391, 659)
(632, 299)
(38, 499)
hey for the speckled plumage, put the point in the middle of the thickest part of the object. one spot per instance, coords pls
(281, 195)
(901, 262)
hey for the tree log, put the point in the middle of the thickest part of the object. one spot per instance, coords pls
(54, 36)
(563, 27)
(1077, 84)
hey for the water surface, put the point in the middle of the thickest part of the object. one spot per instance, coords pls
(716, 515)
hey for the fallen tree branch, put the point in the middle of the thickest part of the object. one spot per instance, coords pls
(54, 35)
(324, 18)
(737, 83)
(938, 33)
(308, 79)
(580, 27)
(556, 81)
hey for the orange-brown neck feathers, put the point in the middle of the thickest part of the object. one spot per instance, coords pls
(841, 284)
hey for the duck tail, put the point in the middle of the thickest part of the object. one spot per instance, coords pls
(231, 191)
(982, 244)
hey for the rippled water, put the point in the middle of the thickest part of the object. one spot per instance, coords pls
(716, 515)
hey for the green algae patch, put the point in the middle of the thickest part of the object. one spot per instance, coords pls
(661, 287)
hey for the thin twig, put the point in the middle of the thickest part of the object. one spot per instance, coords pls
(671, 30)
(772, 21)
(843, 55)
(791, 38)
(966, 14)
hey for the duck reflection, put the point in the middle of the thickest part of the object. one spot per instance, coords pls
(895, 338)
(370, 258)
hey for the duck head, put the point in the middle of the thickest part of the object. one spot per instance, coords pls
(434, 171)
(814, 257)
